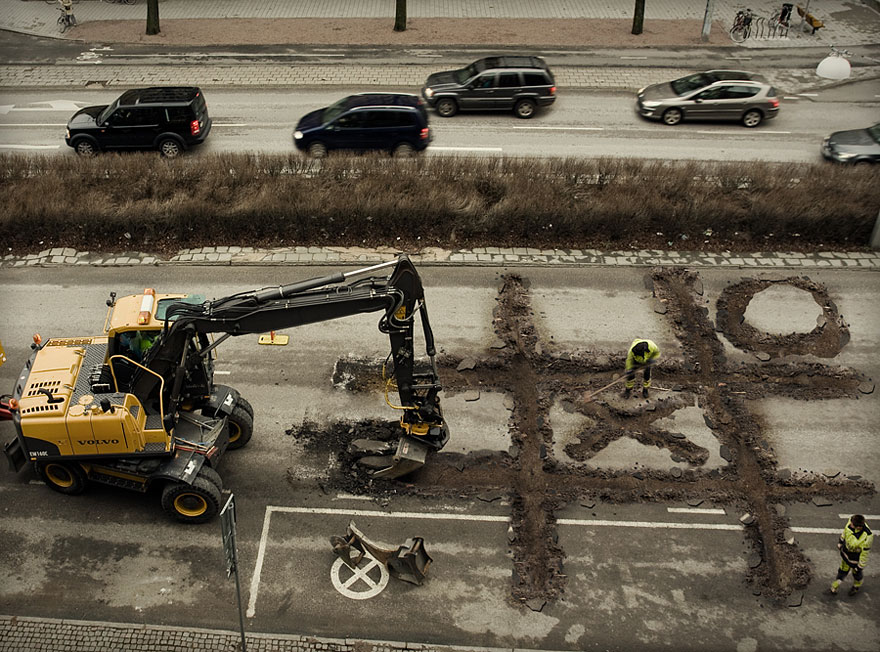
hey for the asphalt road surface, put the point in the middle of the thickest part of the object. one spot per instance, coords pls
(678, 572)
(579, 124)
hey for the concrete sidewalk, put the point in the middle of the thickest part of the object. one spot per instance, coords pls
(847, 22)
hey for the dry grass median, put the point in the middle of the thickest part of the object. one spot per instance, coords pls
(144, 203)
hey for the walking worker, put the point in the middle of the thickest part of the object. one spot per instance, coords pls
(854, 545)
(641, 355)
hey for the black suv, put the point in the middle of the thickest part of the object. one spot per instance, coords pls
(494, 83)
(396, 122)
(168, 118)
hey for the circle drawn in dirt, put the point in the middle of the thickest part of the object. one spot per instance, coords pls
(825, 340)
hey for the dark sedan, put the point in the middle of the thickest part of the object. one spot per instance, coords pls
(853, 146)
(734, 95)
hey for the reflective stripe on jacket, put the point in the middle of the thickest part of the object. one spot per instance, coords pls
(854, 547)
(633, 360)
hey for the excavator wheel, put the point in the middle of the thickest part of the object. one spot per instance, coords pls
(241, 427)
(64, 477)
(195, 503)
(243, 402)
(211, 476)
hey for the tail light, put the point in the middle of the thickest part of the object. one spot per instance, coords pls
(774, 102)
(552, 90)
(194, 127)
(424, 134)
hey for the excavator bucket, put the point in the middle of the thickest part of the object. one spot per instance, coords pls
(408, 562)
(410, 455)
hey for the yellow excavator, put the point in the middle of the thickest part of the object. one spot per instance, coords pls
(138, 405)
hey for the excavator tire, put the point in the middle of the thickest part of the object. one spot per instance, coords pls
(195, 503)
(243, 402)
(241, 427)
(64, 477)
(212, 476)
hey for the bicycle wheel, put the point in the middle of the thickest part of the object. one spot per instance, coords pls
(62, 24)
(737, 34)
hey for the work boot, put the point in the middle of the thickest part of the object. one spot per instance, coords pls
(644, 392)
(627, 391)
(854, 590)
(835, 587)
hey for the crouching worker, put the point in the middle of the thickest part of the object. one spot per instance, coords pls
(641, 355)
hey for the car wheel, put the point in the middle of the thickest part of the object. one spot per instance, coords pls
(64, 477)
(170, 148)
(195, 503)
(863, 163)
(524, 109)
(85, 147)
(317, 150)
(672, 117)
(447, 107)
(404, 150)
(752, 118)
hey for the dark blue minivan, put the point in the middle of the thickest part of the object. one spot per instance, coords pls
(394, 122)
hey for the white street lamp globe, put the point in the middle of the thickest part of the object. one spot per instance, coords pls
(833, 67)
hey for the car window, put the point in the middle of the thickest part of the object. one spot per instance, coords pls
(106, 113)
(379, 119)
(509, 80)
(741, 92)
(178, 114)
(334, 110)
(134, 117)
(690, 83)
(718, 93)
(534, 79)
(349, 121)
(485, 81)
(875, 133)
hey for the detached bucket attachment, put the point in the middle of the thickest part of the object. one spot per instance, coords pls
(411, 455)
(408, 562)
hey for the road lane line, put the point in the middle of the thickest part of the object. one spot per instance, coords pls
(229, 124)
(867, 516)
(809, 94)
(563, 128)
(633, 57)
(222, 373)
(34, 124)
(695, 510)
(439, 516)
(740, 133)
(650, 524)
(2, 146)
(816, 530)
(434, 148)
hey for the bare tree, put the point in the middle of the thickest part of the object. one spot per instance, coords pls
(639, 17)
(152, 17)
(400, 16)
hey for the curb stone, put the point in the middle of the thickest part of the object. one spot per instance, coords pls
(480, 256)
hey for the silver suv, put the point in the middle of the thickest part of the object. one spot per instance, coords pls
(733, 95)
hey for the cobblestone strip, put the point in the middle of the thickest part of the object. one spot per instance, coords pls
(859, 260)
(51, 635)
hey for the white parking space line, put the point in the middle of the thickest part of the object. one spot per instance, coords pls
(640, 58)
(34, 124)
(488, 518)
(695, 510)
(222, 373)
(809, 94)
(229, 124)
(740, 133)
(2, 146)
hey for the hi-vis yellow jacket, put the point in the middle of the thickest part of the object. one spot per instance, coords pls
(633, 361)
(854, 547)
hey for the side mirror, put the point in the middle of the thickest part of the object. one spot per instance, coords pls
(698, 99)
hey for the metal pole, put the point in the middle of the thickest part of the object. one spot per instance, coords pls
(707, 20)
(240, 612)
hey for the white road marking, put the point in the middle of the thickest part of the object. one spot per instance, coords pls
(229, 124)
(2, 146)
(35, 124)
(222, 373)
(205, 55)
(695, 510)
(809, 94)
(563, 128)
(464, 149)
(353, 497)
(867, 516)
(633, 57)
(264, 536)
(790, 97)
(741, 133)
(359, 574)
(51, 105)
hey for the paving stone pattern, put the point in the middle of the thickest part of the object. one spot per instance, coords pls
(221, 255)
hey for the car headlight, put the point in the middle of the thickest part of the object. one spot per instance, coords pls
(650, 105)
(429, 92)
(844, 156)
(641, 90)
(297, 134)
(67, 134)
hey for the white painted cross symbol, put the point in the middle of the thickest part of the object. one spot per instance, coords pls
(363, 575)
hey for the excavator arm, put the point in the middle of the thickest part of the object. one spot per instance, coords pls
(179, 352)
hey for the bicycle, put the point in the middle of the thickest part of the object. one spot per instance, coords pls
(66, 20)
(742, 26)
(781, 21)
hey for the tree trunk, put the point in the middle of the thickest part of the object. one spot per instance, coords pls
(152, 17)
(639, 17)
(400, 15)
